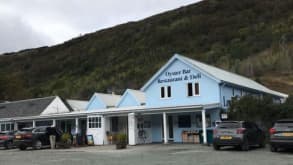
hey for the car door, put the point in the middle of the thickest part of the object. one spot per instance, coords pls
(250, 133)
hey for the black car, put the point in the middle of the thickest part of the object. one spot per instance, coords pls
(281, 135)
(242, 134)
(36, 137)
(6, 139)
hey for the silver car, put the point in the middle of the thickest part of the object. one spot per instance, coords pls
(241, 134)
(281, 135)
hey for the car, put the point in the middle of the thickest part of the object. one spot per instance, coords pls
(6, 139)
(241, 134)
(36, 138)
(281, 135)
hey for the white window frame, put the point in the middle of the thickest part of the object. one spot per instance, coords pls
(166, 92)
(94, 122)
(193, 89)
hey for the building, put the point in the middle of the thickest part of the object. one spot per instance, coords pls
(185, 95)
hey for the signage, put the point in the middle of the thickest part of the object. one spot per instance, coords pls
(180, 75)
(90, 140)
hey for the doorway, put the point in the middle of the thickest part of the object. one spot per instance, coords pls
(170, 128)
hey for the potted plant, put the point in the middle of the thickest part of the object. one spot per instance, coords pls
(65, 141)
(121, 141)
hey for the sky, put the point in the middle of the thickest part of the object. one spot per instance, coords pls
(33, 23)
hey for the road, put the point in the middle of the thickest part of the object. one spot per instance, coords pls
(159, 154)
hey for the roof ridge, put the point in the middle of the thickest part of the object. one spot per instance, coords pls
(26, 100)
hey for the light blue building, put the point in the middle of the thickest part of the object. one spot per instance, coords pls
(183, 98)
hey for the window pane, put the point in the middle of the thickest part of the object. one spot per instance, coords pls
(7, 127)
(2, 127)
(162, 92)
(169, 91)
(12, 127)
(189, 89)
(184, 121)
(196, 89)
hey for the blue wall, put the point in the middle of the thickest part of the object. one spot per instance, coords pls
(128, 100)
(208, 87)
(95, 103)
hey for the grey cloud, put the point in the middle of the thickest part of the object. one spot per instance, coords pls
(81, 16)
(16, 35)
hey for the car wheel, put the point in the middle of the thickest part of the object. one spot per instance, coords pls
(216, 147)
(22, 147)
(38, 145)
(245, 146)
(274, 149)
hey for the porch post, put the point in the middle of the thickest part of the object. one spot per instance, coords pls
(54, 123)
(15, 126)
(76, 126)
(34, 123)
(165, 127)
(204, 128)
(132, 129)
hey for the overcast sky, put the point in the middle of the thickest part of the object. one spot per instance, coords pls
(33, 23)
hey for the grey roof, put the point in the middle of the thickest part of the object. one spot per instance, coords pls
(77, 105)
(139, 95)
(23, 108)
(230, 77)
(110, 100)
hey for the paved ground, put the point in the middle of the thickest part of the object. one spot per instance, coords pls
(175, 154)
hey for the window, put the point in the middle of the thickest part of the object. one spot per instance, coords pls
(184, 121)
(7, 127)
(94, 122)
(233, 91)
(166, 92)
(192, 89)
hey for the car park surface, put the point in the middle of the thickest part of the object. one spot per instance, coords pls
(154, 154)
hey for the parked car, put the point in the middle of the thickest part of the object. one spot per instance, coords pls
(37, 138)
(6, 139)
(241, 134)
(281, 135)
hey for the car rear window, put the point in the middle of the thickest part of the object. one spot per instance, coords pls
(229, 125)
(26, 130)
(284, 124)
(3, 133)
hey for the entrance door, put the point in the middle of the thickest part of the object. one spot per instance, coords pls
(170, 126)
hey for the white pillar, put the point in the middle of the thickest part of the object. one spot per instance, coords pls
(165, 127)
(15, 126)
(132, 129)
(204, 128)
(34, 123)
(76, 126)
(54, 123)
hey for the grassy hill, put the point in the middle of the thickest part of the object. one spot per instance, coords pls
(252, 37)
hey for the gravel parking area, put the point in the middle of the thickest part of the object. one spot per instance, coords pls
(158, 154)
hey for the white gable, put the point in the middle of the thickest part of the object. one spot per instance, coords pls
(55, 107)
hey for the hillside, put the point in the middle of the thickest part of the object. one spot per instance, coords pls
(252, 37)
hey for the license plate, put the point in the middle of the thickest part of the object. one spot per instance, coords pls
(287, 134)
(226, 137)
(18, 137)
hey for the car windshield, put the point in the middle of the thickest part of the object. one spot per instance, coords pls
(229, 125)
(284, 124)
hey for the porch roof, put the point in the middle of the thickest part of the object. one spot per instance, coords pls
(119, 111)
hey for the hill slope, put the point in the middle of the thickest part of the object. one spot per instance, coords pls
(250, 37)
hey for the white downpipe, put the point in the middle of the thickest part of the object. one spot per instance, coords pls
(165, 127)
(34, 124)
(54, 123)
(204, 128)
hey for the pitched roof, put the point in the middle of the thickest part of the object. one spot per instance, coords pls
(139, 95)
(110, 100)
(77, 105)
(220, 75)
(23, 108)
